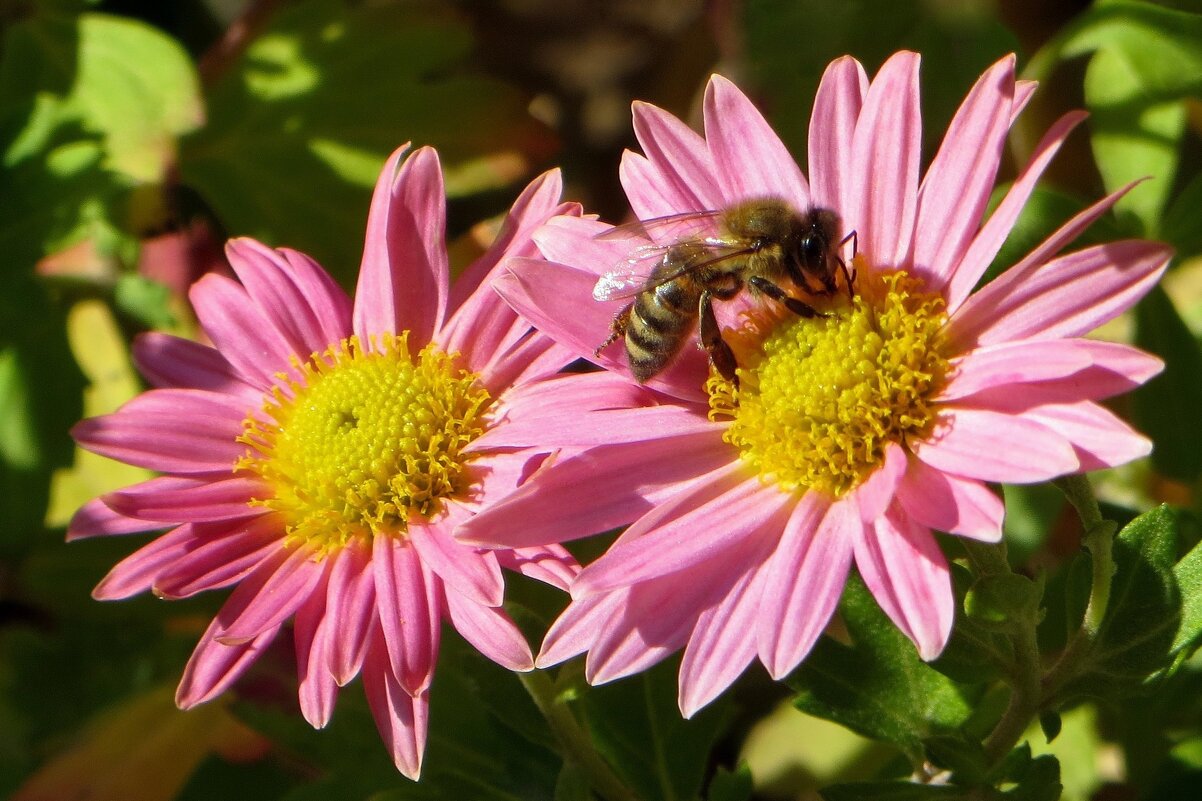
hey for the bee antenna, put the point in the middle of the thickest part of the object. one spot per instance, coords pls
(848, 278)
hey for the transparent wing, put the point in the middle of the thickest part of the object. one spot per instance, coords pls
(672, 228)
(649, 266)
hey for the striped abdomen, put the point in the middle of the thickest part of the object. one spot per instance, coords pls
(661, 319)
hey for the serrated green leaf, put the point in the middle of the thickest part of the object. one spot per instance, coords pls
(962, 755)
(878, 687)
(1143, 613)
(731, 785)
(301, 123)
(1188, 573)
(636, 725)
(1038, 780)
(1166, 408)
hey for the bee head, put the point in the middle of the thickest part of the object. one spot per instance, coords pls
(816, 252)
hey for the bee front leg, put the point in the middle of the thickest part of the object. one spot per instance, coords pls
(617, 328)
(779, 295)
(721, 356)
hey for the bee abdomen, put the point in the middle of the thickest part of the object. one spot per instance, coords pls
(660, 321)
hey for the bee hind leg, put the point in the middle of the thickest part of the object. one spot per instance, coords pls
(794, 305)
(721, 356)
(617, 328)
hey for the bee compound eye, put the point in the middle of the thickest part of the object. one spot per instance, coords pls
(813, 251)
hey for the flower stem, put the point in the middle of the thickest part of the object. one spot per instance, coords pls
(576, 747)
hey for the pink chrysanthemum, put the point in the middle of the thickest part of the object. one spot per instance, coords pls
(852, 436)
(319, 456)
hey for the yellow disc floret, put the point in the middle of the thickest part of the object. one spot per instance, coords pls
(368, 440)
(820, 399)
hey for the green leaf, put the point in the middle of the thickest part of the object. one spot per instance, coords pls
(636, 725)
(1188, 573)
(301, 123)
(1036, 780)
(896, 791)
(1180, 224)
(962, 755)
(731, 785)
(1166, 408)
(1143, 613)
(999, 601)
(878, 687)
(1050, 723)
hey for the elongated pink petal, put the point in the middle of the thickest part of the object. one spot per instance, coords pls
(220, 555)
(749, 158)
(1066, 297)
(550, 564)
(410, 621)
(957, 186)
(495, 476)
(268, 276)
(681, 162)
(568, 426)
(594, 492)
(96, 519)
(993, 233)
(886, 149)
(246, 337)
(404, 277)
(721, 645)
(695, 534)
(168, 361)
(401, 718)
(908, 575)
(136, 572)
(330, 305)
(179, 500)
(576, 629)
(171, 430)
(832, 127)
(875, 493)
(474, 574)
(350, 600)
(1023, 92)
(951, 504)
(311, 637)
(1009, 363)
(992, 446)
(804, 579)
(490, 631)
(269, 596)
(214, 666)
(532, 357)
(1115, 369)
(1099, 438)
(651, 193)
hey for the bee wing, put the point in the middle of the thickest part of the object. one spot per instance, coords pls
(672, 228)
(639, 271)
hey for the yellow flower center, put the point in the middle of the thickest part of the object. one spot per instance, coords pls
(820, 399)
(366, 442)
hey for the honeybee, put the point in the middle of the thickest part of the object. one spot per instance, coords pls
(715, 254)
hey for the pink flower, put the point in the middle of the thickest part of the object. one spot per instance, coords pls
(852, 436)
(319, 456)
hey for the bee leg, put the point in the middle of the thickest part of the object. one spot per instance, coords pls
(850, 278)
(617, 328)
(794, 305)
(721, 356)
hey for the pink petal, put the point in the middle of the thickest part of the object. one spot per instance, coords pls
(696, 532)
(312, 637)
(494, 476)
(268, 277)
(679, 158)
(402, 719)
(1099, 438)
(409, 612)
(886, 149)
(748, 156)
(597, 490)
(576, 629)
(876, 493)
(136, 572)
(214, 666)
(532, 357)
(170, 430)
(490, 631)
(96, 519)
(651, 193)
(721, 646)
(569, 425)
(404, 275)
(577, 242)
(951, 504)
(804, 579)
(220, 555)
(550, 564)
(908, 575)
(832, 126)
(269, 595)
(330, 305)
(350, 600)
(1009, 363)
(1023, 92)
(1066, 297)
(957, 186)
(993, 446)
(168, 361)
(246, 337)
(178, 500)
(993, 233)
(475, 574)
